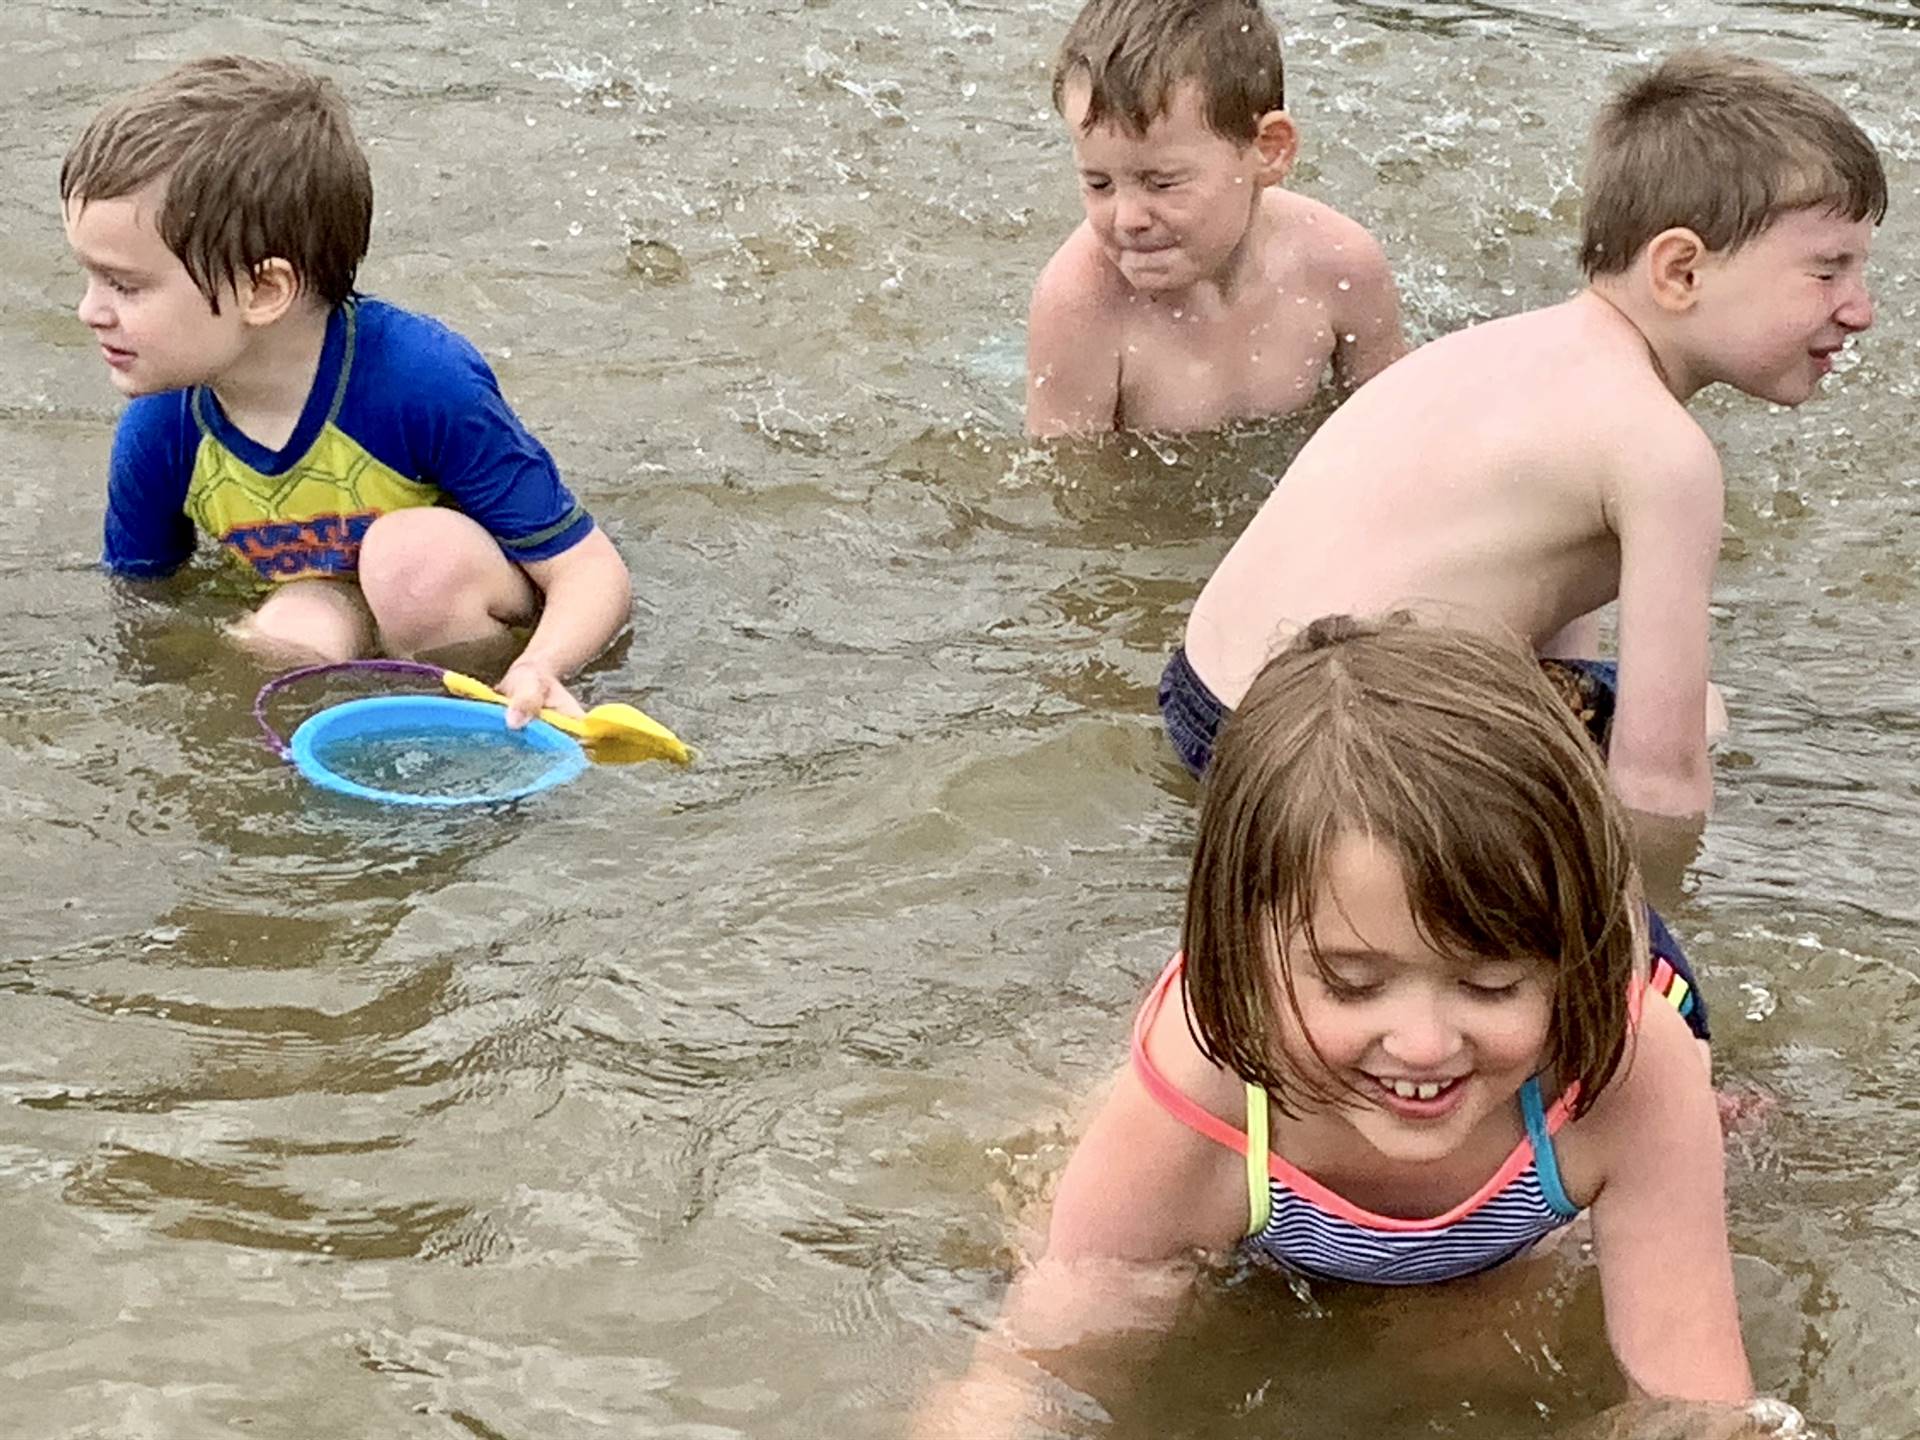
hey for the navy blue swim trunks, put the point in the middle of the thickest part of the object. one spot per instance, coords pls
(1193, 716)
(1193, 713)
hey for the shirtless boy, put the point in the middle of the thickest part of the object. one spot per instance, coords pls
(357, 459)
(1197, 291)
(1521, 474)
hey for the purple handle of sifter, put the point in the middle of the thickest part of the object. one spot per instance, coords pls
(306, 672)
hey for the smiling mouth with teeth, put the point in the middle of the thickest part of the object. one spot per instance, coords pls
(1417, 1090)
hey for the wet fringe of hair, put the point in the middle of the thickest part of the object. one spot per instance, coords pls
(260, 163)
(1133, 55)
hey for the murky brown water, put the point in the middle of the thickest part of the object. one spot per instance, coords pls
(700, 1104)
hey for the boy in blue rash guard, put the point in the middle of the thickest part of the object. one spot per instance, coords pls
(357, 458)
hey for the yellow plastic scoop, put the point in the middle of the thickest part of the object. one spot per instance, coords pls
(614, 734)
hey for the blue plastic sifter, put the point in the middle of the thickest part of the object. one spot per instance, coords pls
(427, 750)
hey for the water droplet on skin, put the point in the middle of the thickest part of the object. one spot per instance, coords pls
(1349, 339)
(1345, 285)
(1178, 313)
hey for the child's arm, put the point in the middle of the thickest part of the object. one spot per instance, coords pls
(1660, 1224)
(1576, 640)
(147, 533)
(588, 595)
(1666, 511)
(1073, 362)
(1056, 1314)
(1366, 312)
(1141, 1195)
(462, 435)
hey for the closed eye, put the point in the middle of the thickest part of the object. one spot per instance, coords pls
(1349, 988)
(1351, 994)
(117, 281)
(1482, 991)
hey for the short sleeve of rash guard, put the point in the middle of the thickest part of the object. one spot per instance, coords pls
(148, 534)
(463, 437)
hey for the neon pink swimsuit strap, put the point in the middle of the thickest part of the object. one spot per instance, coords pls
(1174, 1101)
(1196, 1117)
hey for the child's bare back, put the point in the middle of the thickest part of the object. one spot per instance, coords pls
(1478, 481)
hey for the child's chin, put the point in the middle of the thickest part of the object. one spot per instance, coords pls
(1157, 282)
(1782, 387)
(1786, 395)
(133, 386)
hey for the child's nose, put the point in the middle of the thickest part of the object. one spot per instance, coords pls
(1130, 214)
(1856, 313)
(1421, 1036)
(94, 311)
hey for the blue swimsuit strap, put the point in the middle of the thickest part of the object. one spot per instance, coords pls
(1545, 1163)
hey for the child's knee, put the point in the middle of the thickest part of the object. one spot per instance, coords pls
(416, 557)
(434, 577)
(307, 620)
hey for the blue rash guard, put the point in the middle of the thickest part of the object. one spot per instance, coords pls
(402, 412)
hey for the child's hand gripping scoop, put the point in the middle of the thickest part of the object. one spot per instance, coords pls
(617, 734)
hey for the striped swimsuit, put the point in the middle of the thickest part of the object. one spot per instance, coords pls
(1305, 1227)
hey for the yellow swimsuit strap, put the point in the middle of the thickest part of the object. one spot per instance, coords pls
(1259, 1197)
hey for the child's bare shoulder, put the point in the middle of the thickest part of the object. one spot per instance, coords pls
(1333, 246)
(1599, 401)
(1079, 283)
(1663, 1068)
(1661, 463)
(1176, 1054)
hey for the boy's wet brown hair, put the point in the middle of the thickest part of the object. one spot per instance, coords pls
(260, 163)
(1453, 751)
(1134, 53)
(1721, 145)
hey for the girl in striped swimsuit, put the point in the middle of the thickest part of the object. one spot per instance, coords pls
(1404, 1040)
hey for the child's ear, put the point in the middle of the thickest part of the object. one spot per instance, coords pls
(1275, 137)
(1673, 263)
(270, 292)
